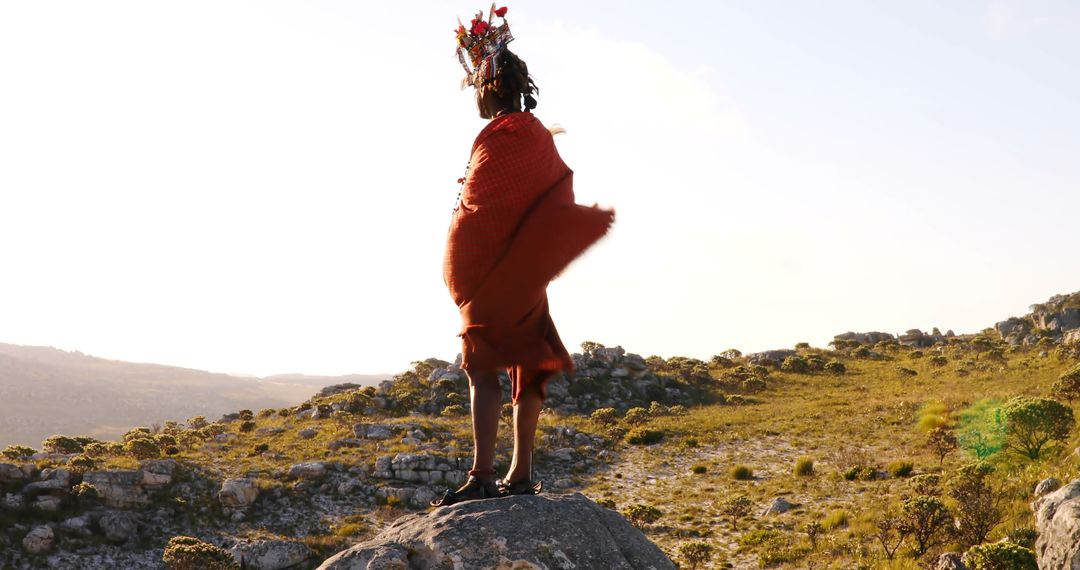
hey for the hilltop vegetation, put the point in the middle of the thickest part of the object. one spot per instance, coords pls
(879, 453)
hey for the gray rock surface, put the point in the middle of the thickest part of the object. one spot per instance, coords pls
(119, 526)
(521, 532)
(1046, 486)
(950, 561)
(778, 506)
(270, 554)
(1057, 519)
(237, 493)
(39, 540)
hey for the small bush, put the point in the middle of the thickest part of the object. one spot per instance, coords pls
(246, 426)
(835, 519)
(938, 361)
(695, 553)
(860, 473)
(636, 416)
(759, 536)
(453, 411)
(641, 515)
(642, 436)
(260, 448)
(266, 413)
(836, 368)
(677, 410)
(61, 444)
(16, 452)
(81, 464)
(926, 484)
(1000, 556)
(900, 468)
(795, 365)
(136, 433)
(699, 469)
(906, 371)
(246, 415)
(605, 416)
(742, 473)
(142, 448)
(187, 553)
(607, 503)
(804, 467)
(171, 450)
(861, 352)
(1023, 536)
(656, 409)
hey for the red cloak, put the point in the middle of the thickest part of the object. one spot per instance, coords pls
(515, 229)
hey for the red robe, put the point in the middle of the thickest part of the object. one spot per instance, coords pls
(516, 228)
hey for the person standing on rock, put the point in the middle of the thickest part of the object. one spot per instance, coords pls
(515, 228)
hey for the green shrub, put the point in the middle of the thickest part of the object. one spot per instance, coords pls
(677, 410)
(266, 413)
(736, 507)
(742, 473)
(860, 473)
(836, 368)
(260, 448)
(861, 352)
(1068, 385)
(16, 452)
(938, 361)
(61, 444)
(605, 416)
(81, 464)
(804, 467)
(453, 411)
(656, 409)
(246, 426)
(137, 432)
(636, 416)
(607, 503)
(1023, 536)
(187, 553)
(1000, 556)
(781, 552)
(759, 536)
(142, 448)
(641, 515)
(900, 468)
(246, 415)
(926, 484)
(695, 553)
(642, 436)
(699, 469)
(795, 365)
(906, 371)
(1033, 424)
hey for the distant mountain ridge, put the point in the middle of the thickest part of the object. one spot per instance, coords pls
(45, 391)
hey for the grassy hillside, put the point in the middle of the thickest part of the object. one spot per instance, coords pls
(840, 434)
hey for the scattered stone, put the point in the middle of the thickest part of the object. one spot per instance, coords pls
(778, 506)
(349, 442)
(48, 503)
(40, 540)
(77, 526)
(270, 554)
(238, 493)
(308, 433)
(517, 532)
(51, 480)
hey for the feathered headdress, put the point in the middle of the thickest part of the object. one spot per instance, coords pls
(481, 44)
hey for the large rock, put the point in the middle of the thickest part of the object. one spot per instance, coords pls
(270, 554)
(39, 541)
(950, 561)
(51, 480)
(120, 489)
(521, 532)
(11, 473)
(157, 473)
(1057, 519)
(119, 526)
(238, 493)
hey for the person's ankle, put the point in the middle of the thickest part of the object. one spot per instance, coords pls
(482, 475)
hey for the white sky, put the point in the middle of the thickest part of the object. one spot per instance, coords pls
(265, 187)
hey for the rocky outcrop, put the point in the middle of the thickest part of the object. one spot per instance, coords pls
(526, 532)
(950, 561)
(1057, 520)
(238, 493)
(869, 338)
(39, 540)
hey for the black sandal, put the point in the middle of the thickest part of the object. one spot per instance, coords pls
(523, 487)
(473, 489)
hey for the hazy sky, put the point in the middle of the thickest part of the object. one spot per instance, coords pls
(265, 187)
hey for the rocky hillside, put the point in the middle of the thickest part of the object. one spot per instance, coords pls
(46, 391)
(880, 451)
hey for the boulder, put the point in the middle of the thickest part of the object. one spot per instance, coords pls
(119, 489)
(238, 493)
(525, 532)
(307, 433)
(778, 506)
(11, 473)
(39, 540)
(270, 554)
(157, 473)
(950, 561)
(13, 502)
(51, 480)
(48, 503)
(77, 526)
(1057, 520)
(119, 526)
(311, 470)
(1046, 486)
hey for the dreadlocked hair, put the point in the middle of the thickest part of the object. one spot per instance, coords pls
(512, 84)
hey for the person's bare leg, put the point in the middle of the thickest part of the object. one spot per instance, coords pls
(486, 397)
(526, 416)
